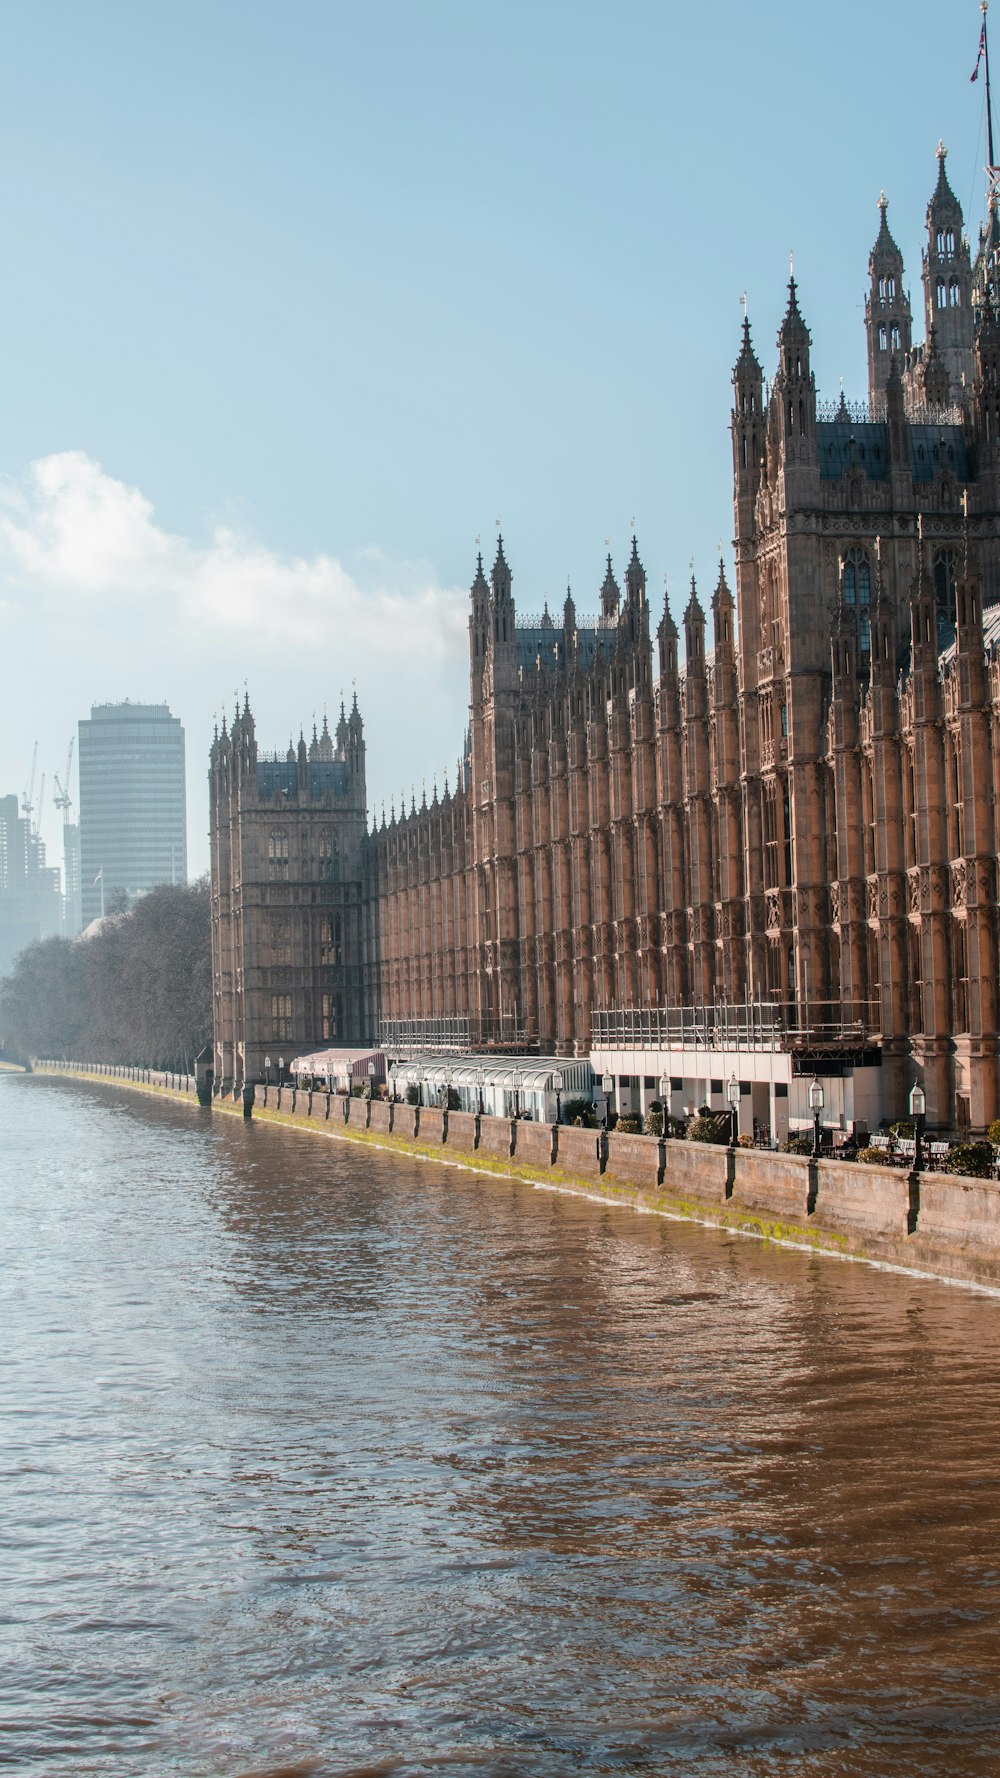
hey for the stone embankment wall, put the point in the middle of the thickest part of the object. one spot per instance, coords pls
(931, 1222)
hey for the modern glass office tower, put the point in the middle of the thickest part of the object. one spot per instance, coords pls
(133, 830)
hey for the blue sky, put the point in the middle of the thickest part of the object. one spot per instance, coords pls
(299, 298)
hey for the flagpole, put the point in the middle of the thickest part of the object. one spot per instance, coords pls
(984, 5)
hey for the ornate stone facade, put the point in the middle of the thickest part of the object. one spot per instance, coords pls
(289, 896)
(804, 814)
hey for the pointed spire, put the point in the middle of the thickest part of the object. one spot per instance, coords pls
(747, 362)
(666, 626)
(610, 595)
(793, 330)
(943, 203)
(722, 610)
(546, 617)
(480, 585)
(569, 612)
(500, 576)
(694, 604)
(885, 249)
(635, 573)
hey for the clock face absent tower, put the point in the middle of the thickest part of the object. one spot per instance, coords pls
(867, 543)
(796, 812)
(289, 925)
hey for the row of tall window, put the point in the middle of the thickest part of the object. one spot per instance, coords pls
(856, 591)
(332, 1013)
(327, 854)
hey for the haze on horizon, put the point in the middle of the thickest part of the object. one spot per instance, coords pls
(299, 300)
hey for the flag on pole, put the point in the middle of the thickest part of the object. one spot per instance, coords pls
(982, 50)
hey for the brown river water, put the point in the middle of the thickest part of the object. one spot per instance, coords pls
(321, 1460)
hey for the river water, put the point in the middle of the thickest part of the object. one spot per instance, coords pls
(327, 1461)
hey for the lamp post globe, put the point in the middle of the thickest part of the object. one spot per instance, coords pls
(557, 1088)
(918, 1106)
(733, 1095)
(817, 1099)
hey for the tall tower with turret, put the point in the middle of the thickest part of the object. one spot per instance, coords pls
(947, 280)
(888, 322)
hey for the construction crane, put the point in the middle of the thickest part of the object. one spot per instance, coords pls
(62, 797)
(36, 831)
(28, 794)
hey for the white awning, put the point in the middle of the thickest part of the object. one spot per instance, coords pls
(530, 1074)
(339, 1062)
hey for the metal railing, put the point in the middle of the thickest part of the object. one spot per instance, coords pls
(752, 1025)
(459, 1036)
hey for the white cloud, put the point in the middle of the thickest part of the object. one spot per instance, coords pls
(74, 532)
(99, 601)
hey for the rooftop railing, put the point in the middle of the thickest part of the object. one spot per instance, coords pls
(755, 1025)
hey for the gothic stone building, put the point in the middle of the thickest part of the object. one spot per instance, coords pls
(289, 872)
(800, 815)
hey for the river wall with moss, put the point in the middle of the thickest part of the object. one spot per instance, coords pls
(934, 1223)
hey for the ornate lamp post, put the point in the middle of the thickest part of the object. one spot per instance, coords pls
(267, 1070)
(733, 1095)
(607, 1088)
(281, 1068)
(480, 1083)
(816, 1103)
(557, 1087)
(392, 1087)
(371, 1080)
(515, 1081)
(918, 1105)
(449, 1076)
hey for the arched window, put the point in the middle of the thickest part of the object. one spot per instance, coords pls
(891, 289)
(857, 592)
(941, 294)
(883, 338)
(955, 294)
(881, 290)
(277, 853)
(329, 855)
(944, 595)
(895, 337)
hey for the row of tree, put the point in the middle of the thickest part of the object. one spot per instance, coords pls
(139, 989)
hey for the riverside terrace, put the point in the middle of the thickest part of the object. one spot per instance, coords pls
(933, 1223)
(533, 1087)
